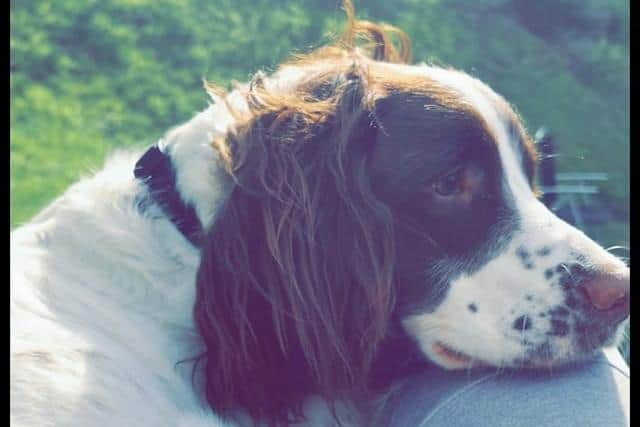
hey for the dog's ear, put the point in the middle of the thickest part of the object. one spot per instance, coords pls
(294, 290)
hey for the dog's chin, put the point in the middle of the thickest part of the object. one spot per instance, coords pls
(451, 359)
(448, 357)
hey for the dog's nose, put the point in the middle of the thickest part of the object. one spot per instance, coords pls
(609, 295)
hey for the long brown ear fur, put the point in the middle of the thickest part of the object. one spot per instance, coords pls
(295, 287)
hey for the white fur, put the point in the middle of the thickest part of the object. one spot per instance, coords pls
(500, 287)
(101, 298)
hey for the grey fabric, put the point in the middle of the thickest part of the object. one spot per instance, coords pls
(593, 393)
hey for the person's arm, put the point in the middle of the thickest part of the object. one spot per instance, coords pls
(595, 394)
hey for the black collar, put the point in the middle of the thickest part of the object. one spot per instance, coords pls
(155, 169)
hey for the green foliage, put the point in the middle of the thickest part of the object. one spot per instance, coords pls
(89, 76)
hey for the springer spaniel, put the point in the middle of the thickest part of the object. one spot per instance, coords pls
(311, 237)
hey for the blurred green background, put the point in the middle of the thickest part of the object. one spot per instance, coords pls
(88, 76)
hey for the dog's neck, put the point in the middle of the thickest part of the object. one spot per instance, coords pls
(200, 178)
(133, 254)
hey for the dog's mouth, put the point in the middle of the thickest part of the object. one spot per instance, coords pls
(451, 358)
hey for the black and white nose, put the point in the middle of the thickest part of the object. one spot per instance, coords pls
(608, 295)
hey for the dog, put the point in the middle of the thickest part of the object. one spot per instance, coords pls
(312, 236)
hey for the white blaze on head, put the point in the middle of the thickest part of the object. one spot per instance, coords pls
(504, 289)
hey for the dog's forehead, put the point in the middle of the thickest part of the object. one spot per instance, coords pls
(494, 109)
(517, 152)
(431, 116)
(477, 102)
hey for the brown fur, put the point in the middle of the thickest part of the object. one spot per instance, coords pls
(276, 292)
(296, 286)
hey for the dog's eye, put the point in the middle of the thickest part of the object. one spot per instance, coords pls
(448, 185)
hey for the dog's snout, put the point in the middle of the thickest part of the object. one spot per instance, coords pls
(608, 294)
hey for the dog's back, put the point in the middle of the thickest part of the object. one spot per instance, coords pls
(101, 296)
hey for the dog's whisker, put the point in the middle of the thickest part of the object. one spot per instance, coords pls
(617, 247)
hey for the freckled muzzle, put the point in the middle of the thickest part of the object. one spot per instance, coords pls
(602, 304)
(601, 295)
(595, 303)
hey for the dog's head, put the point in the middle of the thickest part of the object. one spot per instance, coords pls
(372, 197)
